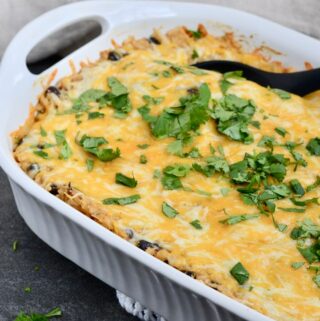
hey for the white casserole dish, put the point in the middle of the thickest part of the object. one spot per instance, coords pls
(155, 284)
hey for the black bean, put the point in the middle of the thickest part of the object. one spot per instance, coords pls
(33, 167)
(144, 245)
(189, 273)
(53, 90)
(154, 40)
(54, 189)
(129, 232)
(114, 56)
(193, 91)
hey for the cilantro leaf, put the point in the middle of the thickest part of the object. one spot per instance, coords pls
(213, 164)
(121, 200)
(313, 146)
(168, 210)
(92, 144)
(43, 132)
(196, 224)
(81, 104)
(240, 274)
(233, 115)
(125, 180)
(41, 154)
(234, 219)
(313, 185)
(281, 131)
(143, 159)
(296, 187)
(119, 97)
(90, 164)
(281, 93)
(95, 115)
(39, 317)
(179, 121)
(225, 84)
(297, 265)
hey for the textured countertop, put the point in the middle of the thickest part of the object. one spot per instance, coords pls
(59, 282)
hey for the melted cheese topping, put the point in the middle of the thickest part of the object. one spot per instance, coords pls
(274, 288)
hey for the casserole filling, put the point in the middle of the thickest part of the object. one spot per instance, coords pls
(211, 173)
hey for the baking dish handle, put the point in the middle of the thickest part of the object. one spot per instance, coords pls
(14, 62)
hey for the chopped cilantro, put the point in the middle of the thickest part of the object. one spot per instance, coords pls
(313, 146)
(168, 210)
(305, 202)
(174, 67)
(224, 191)
(60, 136)
(41, 153)
(152, 100)
(39, 317)
(180, 121)
(143, 159)
(156, 174)
(92, 146)
(313, 185)
(15, 245)
(196, 34)
(178, 170)
(267, 142)
(43, 133)
(296, 187)
(143, 146)
(233, 115)
(234, 219)
(240, 273)
(121, 200)
(316, 280)
(119, 97)
(166, 74)
(81, 104)
(281, 131)
(90, 164)
(214, 164)
(195, 54)
(297, 265)
(125, 180)
(95, 115)
(292, 209)
(281, 93)
(225, 84)
(196, 224)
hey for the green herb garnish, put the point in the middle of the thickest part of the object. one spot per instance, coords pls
(143, 159)
(240, 273)
(233, 115)
(39, 317)
(90, 164)
(92, 145)
(234, 219)
(196, 224)
(95, 115)
(168, 210)
(297, 265)
(125, 180)
(281, 131)
(121, 200)
(281, 93)
(313, 146)
(41, 153)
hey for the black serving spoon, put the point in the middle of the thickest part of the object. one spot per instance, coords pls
(299, 83)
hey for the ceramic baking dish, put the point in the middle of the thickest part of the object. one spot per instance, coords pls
(105, 255)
